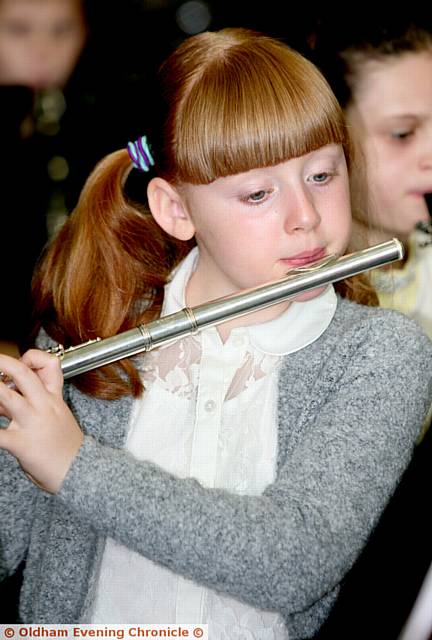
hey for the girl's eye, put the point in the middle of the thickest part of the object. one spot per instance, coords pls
(256, 197)
(16, 29)
(322, 177)
(402, 135)
(63, 29)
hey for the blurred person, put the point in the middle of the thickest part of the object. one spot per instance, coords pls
(40, 44)
(380, 67)
(40, 41)
(67, 98)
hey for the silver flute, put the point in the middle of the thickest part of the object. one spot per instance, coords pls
(99, 352)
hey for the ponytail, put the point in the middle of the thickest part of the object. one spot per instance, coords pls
(104, 273)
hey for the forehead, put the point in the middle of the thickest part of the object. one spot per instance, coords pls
(39, 9)
(396, 84)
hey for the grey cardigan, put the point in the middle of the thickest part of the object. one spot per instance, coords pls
(350, 409)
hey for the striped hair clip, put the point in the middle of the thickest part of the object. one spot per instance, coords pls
(140, 154)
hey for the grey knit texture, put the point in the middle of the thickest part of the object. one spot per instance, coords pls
(351, 406)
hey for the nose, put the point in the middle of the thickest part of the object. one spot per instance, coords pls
(300, 213)
(42, 60)
(43, 47)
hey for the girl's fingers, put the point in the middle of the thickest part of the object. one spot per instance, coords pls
(12, 404)
(25, 380)
(43, 434)
(47, 367)
(36, 372)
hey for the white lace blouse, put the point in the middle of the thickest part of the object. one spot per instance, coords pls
(209, 412)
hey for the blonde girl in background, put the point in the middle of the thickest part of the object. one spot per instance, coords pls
(380, 68)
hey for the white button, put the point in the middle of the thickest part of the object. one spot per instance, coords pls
(239, 341)
(210, 406)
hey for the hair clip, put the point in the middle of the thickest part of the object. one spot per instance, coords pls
(140, 154)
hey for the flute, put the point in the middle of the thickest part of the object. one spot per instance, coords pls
(102, 351)
(99, 352)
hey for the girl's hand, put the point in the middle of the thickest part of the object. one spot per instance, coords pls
(43, 434)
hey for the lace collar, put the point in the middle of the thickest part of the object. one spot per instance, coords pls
(300, 325)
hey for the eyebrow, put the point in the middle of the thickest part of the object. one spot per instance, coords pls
(406, 116)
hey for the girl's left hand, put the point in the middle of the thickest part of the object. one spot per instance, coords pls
(43, 434)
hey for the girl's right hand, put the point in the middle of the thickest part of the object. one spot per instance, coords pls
(43, 434)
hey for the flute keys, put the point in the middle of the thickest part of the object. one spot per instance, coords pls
(7, 380)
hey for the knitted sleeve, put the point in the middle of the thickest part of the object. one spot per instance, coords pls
(17, 498)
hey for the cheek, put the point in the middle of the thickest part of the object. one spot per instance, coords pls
(71, 51)
(342, 231)
(338, 218)
(386, 185)
(388, 166)
(11, 58)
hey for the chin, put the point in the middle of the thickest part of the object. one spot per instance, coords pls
(309, 295)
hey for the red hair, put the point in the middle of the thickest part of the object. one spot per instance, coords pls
(104, 273)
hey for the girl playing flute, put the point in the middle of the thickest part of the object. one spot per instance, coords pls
(232, 477)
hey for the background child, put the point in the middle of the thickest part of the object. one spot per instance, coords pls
(67, 98)
(41, 42)
(380, 68)
(239, 488)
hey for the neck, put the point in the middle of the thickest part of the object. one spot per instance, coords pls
(198, 292)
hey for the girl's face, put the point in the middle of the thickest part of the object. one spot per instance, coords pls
(40, 41)
(391, 122)
(253, 227)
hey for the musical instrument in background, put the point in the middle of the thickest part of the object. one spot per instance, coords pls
(426, 227)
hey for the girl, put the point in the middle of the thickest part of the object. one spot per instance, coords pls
(381, 71)
(239, 488)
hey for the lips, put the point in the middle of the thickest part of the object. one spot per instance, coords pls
(421, 194)
(306, 257)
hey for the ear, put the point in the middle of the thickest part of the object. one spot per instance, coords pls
(169, 210)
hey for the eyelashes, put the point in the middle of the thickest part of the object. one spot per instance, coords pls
(260, 196)
(257, 197)
(401, 136)
(323, 177)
